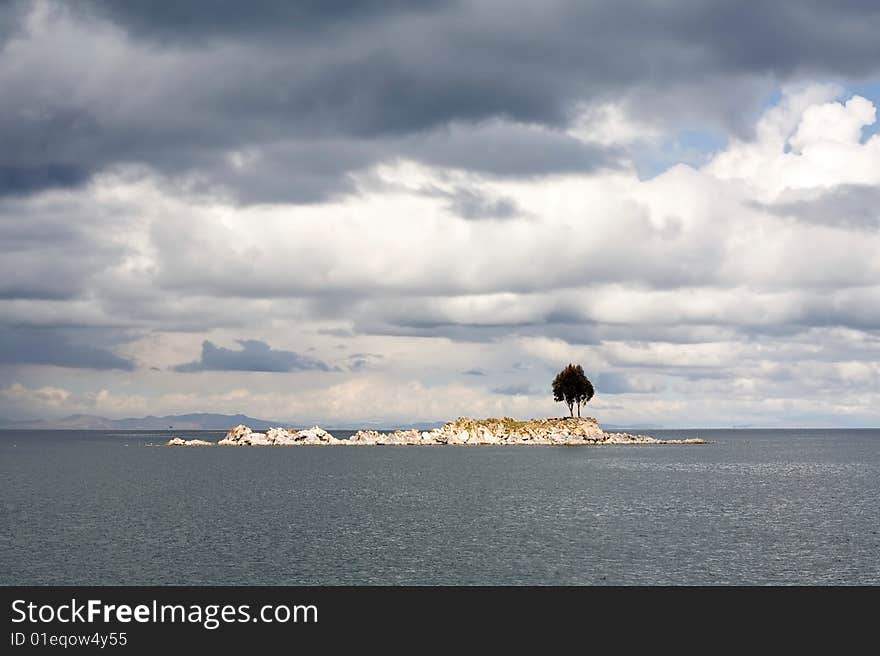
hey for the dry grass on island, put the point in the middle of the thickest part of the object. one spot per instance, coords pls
(566, 431)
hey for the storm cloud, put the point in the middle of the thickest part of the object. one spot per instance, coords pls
(28, 345)
(853, 206)
(253, 355)
(284, 101)
(436, 205)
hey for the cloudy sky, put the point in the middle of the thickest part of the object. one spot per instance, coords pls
(354, 211)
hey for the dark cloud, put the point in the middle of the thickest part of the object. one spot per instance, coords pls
(295, 102)
(815, 312)
(303, 171)
(52, 346)
(845, 206)
(509, 149)
(254, 355)
(472, 205)
(11, 14)
(316, 91)
(468, 203)
(517, 390)
(217, 18)
(27, 179)
(361, 361)
(50, 249)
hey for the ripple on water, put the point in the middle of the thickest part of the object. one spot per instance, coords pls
(751, 507)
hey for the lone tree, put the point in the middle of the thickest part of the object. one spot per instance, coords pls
(572, 386)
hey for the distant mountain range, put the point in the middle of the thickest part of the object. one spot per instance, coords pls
(193, 421)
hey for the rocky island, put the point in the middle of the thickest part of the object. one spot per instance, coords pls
(569, 431)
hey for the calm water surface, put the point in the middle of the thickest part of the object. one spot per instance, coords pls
(754, 506)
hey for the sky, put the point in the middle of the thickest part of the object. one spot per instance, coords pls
(343, 212)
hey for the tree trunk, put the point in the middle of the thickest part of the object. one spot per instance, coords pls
(571, 409)
(579, 409)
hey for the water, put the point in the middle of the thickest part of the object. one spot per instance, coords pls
(752, 507)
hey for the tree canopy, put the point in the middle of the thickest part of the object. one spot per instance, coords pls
(572, 386)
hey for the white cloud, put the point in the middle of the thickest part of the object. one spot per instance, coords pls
(52, 397)
(689, 283)
(609, 124)
(803, 145)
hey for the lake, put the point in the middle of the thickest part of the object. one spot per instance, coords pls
(751, 507)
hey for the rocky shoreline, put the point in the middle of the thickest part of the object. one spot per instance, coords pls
(567, 431)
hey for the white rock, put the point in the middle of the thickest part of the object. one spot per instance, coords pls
(566, 431)
(237, 436)
(177, 441)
